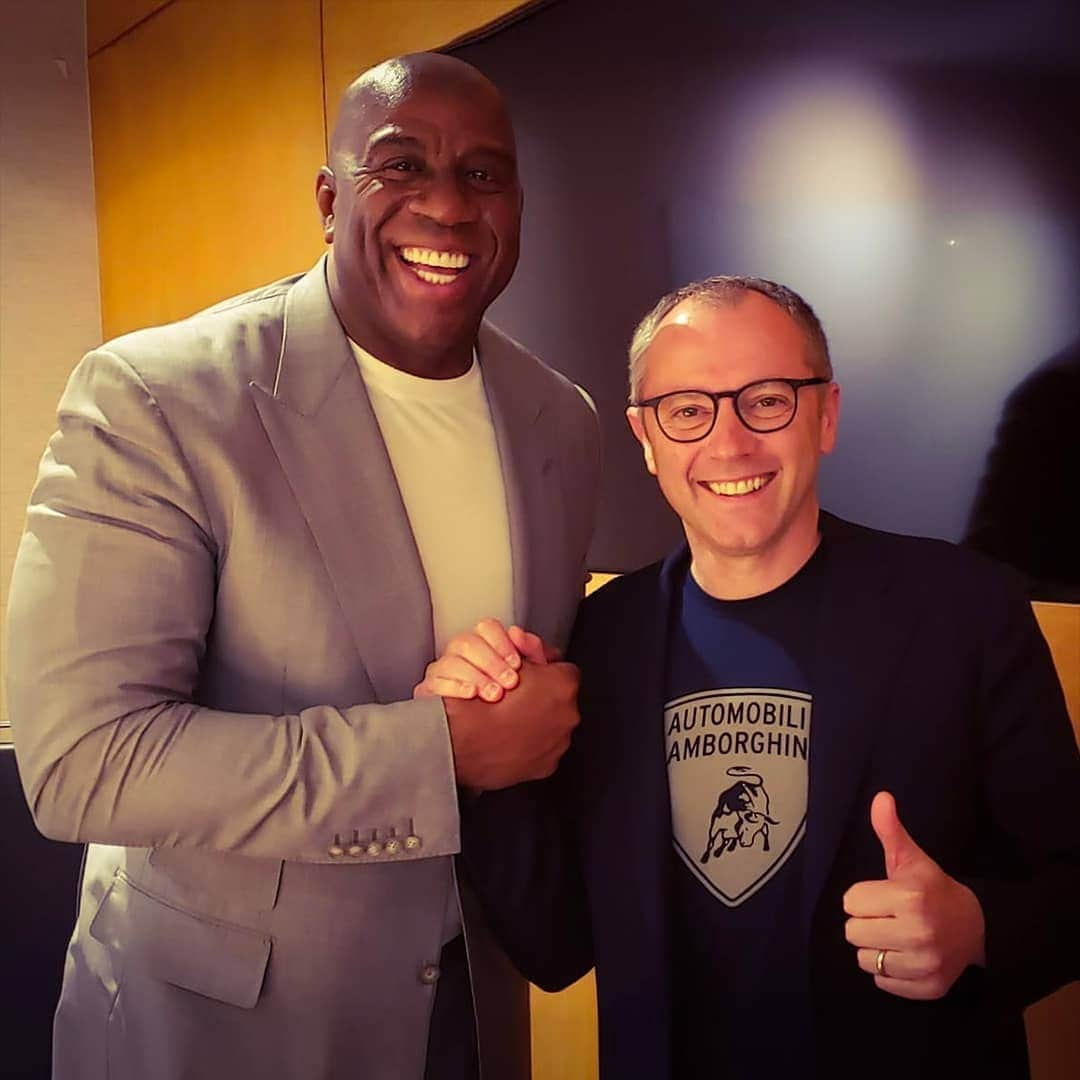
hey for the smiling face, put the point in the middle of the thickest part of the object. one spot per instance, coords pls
(422, 207)
(748, 501)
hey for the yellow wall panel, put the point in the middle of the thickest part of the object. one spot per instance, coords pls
(208, 132)
(106, 20)
(357, 35)
(1060, 624)
(564, 1032)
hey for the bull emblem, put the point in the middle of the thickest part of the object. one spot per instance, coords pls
(741, 815)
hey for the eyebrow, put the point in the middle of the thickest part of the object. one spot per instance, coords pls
(391, 136)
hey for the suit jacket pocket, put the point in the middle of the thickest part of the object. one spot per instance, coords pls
(212, 958)
(220, 884)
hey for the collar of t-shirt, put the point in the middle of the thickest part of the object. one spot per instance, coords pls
(387, 379)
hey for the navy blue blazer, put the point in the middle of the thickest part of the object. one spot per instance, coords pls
(932, 681)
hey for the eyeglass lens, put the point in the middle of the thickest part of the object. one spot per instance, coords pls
(762, 406)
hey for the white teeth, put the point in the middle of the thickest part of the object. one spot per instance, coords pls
(451, 260)
(736, 487)
(433, 278)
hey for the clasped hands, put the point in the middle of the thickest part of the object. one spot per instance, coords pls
(919, 929)
(511, 706)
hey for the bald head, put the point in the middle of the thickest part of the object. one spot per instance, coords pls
(388, 84)
(421, 205)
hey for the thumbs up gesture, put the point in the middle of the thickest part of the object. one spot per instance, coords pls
(917, 930)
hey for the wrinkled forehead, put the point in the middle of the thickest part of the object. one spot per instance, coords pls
(397, 101)
(750, 337)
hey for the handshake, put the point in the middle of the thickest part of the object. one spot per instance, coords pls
(510, 705)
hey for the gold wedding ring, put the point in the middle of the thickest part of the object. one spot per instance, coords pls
(879, 963)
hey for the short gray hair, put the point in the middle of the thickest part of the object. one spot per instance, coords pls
(727, 291)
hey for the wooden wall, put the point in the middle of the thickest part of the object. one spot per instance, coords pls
(209, 124)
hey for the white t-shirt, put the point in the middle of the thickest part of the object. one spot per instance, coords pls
(441, 442)
(442, 446)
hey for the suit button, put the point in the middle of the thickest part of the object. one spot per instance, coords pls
(355, 850)
(335, 851)
(374, 849)
(392, 846)
(429, 974)
(412, 843)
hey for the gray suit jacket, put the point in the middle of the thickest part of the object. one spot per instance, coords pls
(217, 617)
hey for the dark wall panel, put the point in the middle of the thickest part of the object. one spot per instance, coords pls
(910, 169)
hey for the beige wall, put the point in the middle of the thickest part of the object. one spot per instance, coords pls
(49, 310)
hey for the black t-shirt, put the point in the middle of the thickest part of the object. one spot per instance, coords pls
(737, 721)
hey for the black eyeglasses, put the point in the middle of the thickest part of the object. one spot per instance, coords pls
(690, 415)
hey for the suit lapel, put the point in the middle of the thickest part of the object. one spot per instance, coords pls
(852, 684)
(319, 421)
(527, 458)
(628, 810)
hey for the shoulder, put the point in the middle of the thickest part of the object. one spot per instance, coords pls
(548, 387)
(235, 341)
(913, 566)
(622, 606)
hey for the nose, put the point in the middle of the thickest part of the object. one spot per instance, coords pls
(730, 437)
(445, 198)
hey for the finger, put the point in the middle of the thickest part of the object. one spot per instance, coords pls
(910, 965)
(495, 634)
(876, 899)
(439, 686)
(488, 664)
(899, 849)
(877, 933)
(895, 965)
(912, 989)
(444, 674)
(551, 761)
(529, 645)
(568, 671)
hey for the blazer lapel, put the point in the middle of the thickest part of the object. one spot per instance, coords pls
(628, 814)
(527, 458)
(851, 688)
(320, 423)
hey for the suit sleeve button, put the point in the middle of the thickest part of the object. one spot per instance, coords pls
(429, 974)
(412, 842)
(335, 851)
(392, 846)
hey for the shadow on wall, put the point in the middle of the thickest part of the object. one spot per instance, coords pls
(909, 171)
(1027, 510)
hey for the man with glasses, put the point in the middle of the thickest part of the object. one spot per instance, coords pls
(822, 813)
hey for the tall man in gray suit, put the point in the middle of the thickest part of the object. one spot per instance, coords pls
(251, 532)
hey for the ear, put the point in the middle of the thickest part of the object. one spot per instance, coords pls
(830, 418)
(637, 426)
(325, 194)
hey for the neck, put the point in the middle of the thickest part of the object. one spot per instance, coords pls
(728, 575)
(426, 359)
(444, 364)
